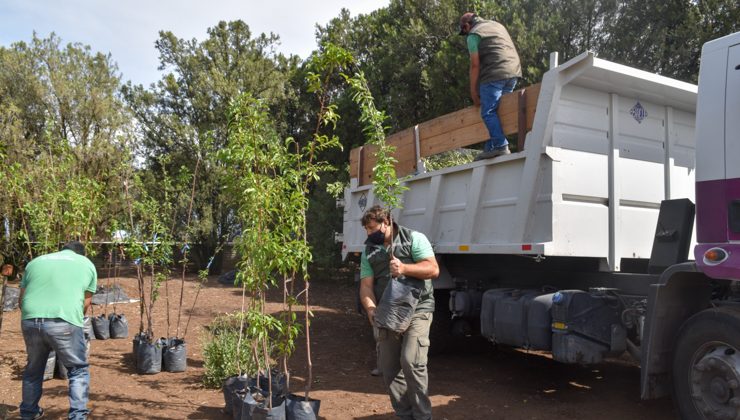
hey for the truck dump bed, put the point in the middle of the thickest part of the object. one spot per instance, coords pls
(607, 144)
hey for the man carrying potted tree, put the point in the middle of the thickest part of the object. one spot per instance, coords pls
(397, 258)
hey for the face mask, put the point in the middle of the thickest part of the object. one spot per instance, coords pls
(376, 237)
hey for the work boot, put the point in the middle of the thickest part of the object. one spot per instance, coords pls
(498, 151)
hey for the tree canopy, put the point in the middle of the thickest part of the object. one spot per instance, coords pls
(73, 133)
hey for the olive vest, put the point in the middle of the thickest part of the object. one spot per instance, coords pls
(498, 57)
(378, 258)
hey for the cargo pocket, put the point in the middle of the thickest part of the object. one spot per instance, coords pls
(422, 351)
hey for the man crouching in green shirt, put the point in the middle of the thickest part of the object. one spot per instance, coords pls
(56, 290)
(402, 356)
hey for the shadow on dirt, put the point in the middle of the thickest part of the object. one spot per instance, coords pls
(8, 411)
(144, 407)
(205, 412)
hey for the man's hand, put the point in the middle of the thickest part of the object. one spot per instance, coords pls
(371, 315)
(397, 267)
(476, 100)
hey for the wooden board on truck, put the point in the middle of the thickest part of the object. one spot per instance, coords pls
(448, 132)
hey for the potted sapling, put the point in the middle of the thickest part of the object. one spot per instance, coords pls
(175, 355)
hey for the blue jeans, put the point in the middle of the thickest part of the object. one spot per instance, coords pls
(42, 335)
(490, 96)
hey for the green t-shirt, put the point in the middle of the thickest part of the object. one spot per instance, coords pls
(421, 249)
(473, 42)
(55, 286)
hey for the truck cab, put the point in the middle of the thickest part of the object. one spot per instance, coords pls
(705, 369)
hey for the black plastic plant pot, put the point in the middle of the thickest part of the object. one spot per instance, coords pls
(118, 326)
(149, 357)
(138, 338)
(231, 385)
(101, 327)
(237, 403)
(279, 383)
(298, 408)
(165, 343)
(87, 327)
(262, 412)
(252, 409)
(50, 364)
(175, 356)
(60, 371)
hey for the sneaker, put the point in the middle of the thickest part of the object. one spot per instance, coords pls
(499, 151)
(375, 372)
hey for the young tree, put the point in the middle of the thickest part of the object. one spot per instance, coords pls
(185, 114)
(66, 139)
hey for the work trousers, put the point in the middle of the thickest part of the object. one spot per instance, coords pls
(42, 335)
(403, 362)
(490, 96)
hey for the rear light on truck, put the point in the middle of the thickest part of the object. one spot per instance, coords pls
(715, 256)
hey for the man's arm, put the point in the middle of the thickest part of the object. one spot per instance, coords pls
(474, 73)
(88, 302)
(424, 269)
(20, 297)
(367, 297)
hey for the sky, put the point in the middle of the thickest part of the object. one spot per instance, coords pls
(127, 29)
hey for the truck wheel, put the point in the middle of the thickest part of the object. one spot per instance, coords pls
(706, 366)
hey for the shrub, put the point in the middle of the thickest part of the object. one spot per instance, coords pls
(220, 355)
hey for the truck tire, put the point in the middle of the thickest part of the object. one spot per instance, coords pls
(706, 366)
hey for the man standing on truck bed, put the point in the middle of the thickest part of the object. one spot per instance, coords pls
(56, 290)
(494, 68)
(403, 356)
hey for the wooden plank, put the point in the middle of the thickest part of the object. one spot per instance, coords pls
(447, 132)
(461, 137)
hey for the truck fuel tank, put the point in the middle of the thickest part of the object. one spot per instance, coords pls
(586, 326)
(519, 318)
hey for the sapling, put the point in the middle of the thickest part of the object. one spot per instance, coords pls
(186, 248)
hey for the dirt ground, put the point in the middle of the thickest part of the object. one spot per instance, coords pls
(487, 384)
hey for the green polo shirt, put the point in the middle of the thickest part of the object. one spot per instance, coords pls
(55, 286)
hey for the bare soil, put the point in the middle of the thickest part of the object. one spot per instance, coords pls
(472, 384)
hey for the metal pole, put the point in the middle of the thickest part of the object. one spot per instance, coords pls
(553, 60)
(420, 169)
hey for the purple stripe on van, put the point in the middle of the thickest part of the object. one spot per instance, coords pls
(712, 201)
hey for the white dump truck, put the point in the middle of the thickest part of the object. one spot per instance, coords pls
(579, 243)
